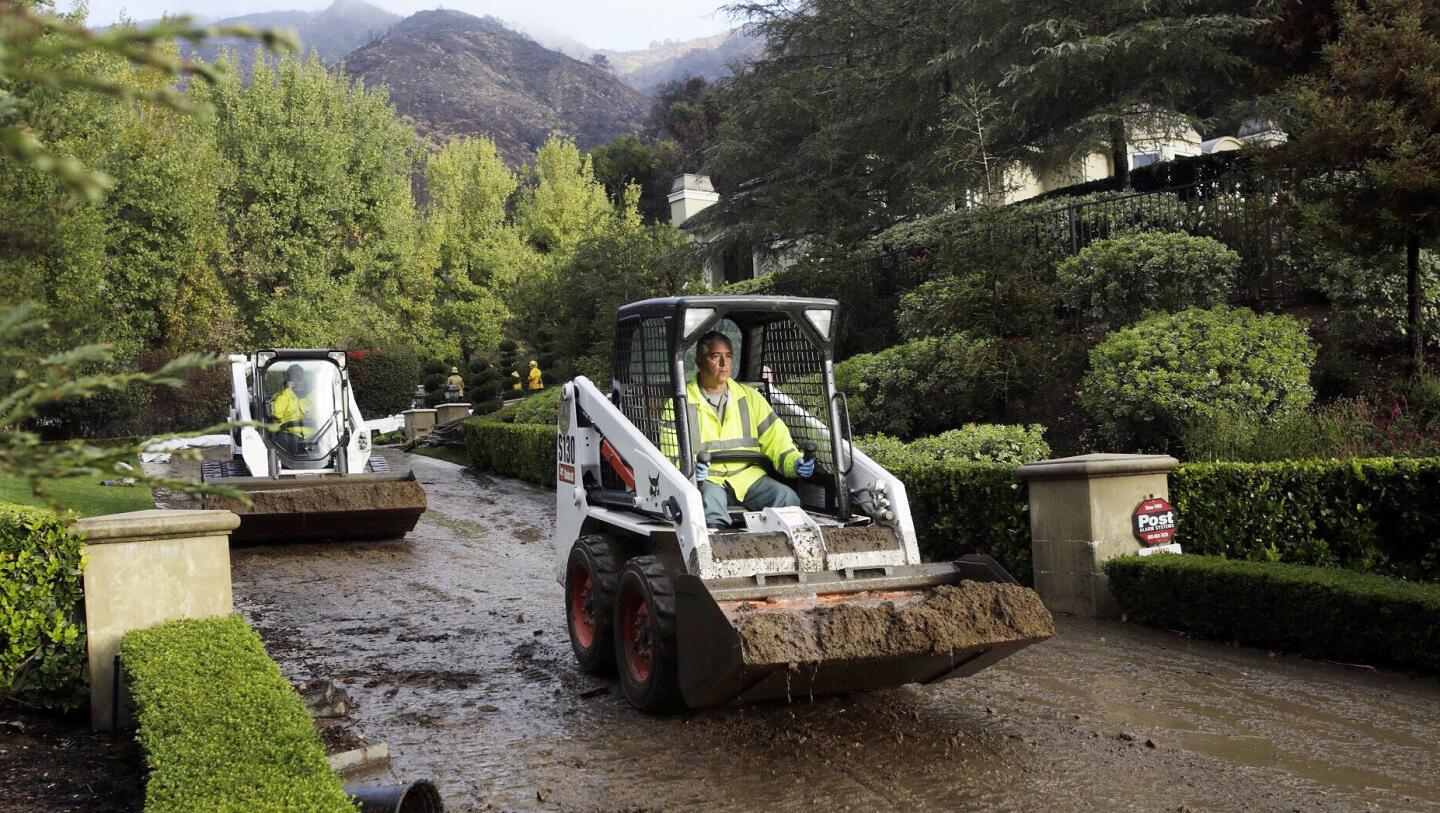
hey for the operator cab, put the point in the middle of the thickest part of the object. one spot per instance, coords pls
(784, 348)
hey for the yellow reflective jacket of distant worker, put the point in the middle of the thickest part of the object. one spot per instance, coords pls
(517, 385)
(750, 425)
(456, 381)
(535, 382)
(286, 406)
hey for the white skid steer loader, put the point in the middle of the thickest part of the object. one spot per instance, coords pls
(313, 476)
(789, 602)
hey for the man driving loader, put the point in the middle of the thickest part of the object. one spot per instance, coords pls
(733, 417)
(292, 405)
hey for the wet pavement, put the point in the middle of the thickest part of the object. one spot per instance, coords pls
(452, 643)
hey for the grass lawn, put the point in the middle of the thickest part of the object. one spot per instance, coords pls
(445, 453)
(83, 495)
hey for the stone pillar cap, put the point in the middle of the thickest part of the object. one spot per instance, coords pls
(1087, 466)
(408, 411)
(156, 522)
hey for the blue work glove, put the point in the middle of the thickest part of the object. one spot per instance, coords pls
(805, 468)
(702, 470)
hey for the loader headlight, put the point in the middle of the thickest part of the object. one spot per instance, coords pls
(694, 318)
(821, 318)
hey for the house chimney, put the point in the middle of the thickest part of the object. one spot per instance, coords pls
(690, 194)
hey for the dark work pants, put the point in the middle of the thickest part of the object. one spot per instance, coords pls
(767, 492)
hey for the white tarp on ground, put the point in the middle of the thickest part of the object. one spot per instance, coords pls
(159, 450)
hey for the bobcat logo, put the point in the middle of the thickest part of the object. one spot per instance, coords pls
(655, 487)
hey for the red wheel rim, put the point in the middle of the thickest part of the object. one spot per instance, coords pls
(582, 607)
(636, 621)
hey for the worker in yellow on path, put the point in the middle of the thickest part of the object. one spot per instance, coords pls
(457, 382)
(516, 385)
(535, 382)
(736, 418)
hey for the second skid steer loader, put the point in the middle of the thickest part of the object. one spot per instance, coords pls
(786, 602)
(309, 470)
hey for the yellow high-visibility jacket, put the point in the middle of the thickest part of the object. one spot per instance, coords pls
(286, 406)
(535, 381)
(750, 425)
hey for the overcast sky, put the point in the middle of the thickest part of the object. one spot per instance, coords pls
(617, 24)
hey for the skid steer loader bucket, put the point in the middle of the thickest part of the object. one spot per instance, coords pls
(748, 639)
(311, 509)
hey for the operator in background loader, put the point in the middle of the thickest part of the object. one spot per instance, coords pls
(734, 417)
(292, 405)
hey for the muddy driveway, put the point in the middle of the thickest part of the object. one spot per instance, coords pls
(453, 644)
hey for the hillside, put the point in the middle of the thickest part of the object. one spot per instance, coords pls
(456, 74)
(332, 33)
(710, 57)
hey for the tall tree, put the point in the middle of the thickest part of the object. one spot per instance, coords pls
(1368, 134)
(1091, 75)
(478, 252)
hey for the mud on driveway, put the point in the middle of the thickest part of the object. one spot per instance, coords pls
(452, 643)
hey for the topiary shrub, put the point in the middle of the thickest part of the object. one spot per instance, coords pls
(383, 380)
(221, 727)
(42, 644)
(1116, 281)
(1148, 381)
(926, 386)
(985, 443)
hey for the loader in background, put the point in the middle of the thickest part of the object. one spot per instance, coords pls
(309, 470)
(790, 602)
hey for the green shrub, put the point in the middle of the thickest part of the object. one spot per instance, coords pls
(1116, 281)
(542, 408)
(42, 642)
(104, 414)
(383, 380)
(926, 386)
(1342, 429)
(524, 451)
(221, 728)
(1325, 613)
(1373, 515)
(1147, 381)
(983, 443)
(961, 508)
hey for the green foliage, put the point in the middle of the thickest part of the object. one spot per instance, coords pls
(1368, 293)
(540, 409)
(1321, 612)
(961, 508)
(1147, 381)
(383, 380)
(523, 451)
(981, 443)
(627, 160)
(325, 245)
(925, 386)
(1365, 514)
(221, 728)
(42, 641)
(1341, 429)
(478, 251)
(35, 382)
(1117, 281)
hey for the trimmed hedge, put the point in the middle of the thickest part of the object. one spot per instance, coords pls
(962, 508)
(523, 451)
(1322, 612)
(42, 642)
(1378, 514)
(221, 728)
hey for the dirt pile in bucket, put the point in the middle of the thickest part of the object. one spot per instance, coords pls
(949, 618)
(354, 495)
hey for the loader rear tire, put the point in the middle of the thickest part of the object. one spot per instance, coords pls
(591, 578)
(645, 636)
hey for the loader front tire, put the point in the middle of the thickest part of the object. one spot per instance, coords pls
(645, 636)
(591, 578)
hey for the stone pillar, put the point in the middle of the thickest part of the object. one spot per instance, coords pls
(1081, 511)
(446, 413)
(418, 422)
(145, 568)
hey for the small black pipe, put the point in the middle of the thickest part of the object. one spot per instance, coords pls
(417, 797)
